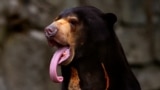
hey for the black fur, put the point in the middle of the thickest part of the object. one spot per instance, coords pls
(100, 46)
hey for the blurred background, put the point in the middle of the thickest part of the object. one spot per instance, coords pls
(25, 54)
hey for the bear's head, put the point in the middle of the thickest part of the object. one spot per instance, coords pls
(77, 32)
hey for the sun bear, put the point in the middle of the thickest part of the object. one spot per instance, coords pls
(88, 51)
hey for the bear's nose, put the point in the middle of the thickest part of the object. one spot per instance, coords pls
(50, 31)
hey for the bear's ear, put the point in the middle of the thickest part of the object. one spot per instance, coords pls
(110, 18)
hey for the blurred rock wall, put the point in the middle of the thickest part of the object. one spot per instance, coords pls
(25, 54)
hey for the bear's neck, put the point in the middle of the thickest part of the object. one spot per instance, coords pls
(86, 74)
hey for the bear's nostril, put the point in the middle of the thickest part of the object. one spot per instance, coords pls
(50, 31)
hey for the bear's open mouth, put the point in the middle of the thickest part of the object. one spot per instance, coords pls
(62, 56)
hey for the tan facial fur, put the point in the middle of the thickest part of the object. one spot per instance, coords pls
(67, 32)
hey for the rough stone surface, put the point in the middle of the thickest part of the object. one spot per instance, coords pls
(25, 55)
(25, 59)
(135, 44)
(132, 14)
(149, 78)
(2, 81)
(157, 44)
(2, 84)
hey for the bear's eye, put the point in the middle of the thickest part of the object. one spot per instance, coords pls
(73, 21)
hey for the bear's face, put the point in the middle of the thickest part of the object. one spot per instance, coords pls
(66, 29)
(67, 32)
(77, 32)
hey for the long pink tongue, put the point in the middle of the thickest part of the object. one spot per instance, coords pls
(59, 56)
